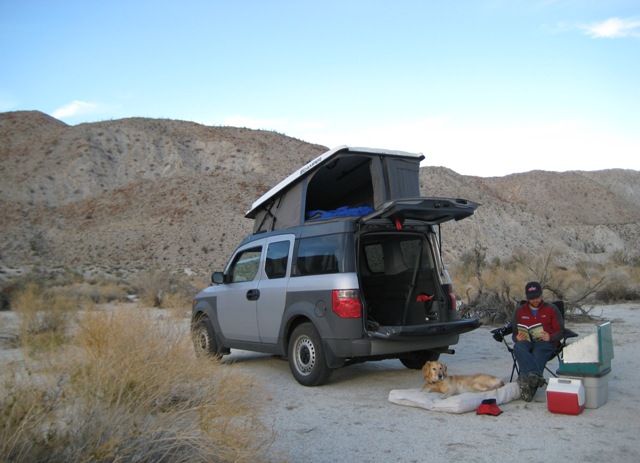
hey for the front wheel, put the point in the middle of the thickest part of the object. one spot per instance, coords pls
(416, 360)
(306, 356)
(204, 339)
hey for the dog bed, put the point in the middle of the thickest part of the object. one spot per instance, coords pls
(462, 403)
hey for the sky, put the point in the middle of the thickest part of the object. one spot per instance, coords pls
(483, 87)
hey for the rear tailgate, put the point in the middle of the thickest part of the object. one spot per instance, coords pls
(426, 330)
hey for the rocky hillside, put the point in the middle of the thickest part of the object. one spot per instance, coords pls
(138, 193)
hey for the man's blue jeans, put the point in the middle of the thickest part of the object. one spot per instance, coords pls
(533, 356)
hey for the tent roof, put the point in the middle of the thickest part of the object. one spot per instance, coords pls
(324, 158)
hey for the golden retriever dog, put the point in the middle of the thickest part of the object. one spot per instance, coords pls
(436, 380)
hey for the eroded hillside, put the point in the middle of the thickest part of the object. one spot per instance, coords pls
(142, 193)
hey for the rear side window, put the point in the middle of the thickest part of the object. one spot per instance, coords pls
(319, 255)
(245, 265)
(276, 263)
(392, 254)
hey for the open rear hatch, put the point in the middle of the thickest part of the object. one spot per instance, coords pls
(431, 211)
(401, 273)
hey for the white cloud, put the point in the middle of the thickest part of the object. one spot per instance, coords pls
(613, 28)
(75, 108)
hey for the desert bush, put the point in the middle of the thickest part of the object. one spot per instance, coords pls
(129, 388)
(97, 293)
(492, 292)
(179, 305)
(62, 280)
(13, 287)
(45, 317)
(620, 285)
(156, 288)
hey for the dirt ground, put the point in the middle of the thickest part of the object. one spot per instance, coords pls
(351, 419)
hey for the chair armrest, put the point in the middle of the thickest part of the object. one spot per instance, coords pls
(500, 333)
(570, 333)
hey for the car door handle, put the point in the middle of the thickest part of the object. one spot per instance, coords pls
(253, 294)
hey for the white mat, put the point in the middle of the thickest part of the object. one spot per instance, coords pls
(462, 403)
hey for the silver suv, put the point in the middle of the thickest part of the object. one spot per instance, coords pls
(343, 266)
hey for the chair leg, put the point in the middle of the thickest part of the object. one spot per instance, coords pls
(546, 367)
(514, 368)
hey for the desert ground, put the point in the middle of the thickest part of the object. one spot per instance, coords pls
(351, 419)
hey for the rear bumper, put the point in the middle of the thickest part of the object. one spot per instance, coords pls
(389, 342)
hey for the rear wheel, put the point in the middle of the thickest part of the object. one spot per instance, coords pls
(307, 359)
(204, 339)
(416, 360)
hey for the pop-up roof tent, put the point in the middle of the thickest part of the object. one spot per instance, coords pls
(344, 181)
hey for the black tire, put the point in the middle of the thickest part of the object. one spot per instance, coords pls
(416, 360)
(307, 359)
(204, 339)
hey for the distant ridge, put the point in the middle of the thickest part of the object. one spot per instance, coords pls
(142, 193)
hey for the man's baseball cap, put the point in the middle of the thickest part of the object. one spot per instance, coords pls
(533, 290)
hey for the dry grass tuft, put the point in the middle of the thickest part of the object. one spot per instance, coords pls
(45, 317)
(129, 388)
(162, 290)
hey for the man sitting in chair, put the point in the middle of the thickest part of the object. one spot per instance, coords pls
(538, 328)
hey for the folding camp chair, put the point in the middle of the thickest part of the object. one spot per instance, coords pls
(500, 335)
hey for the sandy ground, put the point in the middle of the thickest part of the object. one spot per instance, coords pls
(351, 419)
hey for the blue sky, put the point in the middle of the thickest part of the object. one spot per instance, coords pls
(484, 87)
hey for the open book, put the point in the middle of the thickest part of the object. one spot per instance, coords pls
(533, 332)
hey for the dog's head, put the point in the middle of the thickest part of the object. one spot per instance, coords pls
(434, 371)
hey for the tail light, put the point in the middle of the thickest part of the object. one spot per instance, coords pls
(346, 303)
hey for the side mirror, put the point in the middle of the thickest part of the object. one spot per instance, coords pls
(217, 278)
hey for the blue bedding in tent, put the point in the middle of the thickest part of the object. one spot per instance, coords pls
(344, 211)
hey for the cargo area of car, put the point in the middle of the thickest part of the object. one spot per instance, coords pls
(398, 280)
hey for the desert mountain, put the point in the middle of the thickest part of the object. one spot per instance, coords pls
(169, 195)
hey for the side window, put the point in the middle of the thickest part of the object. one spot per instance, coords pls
(411, 249)
(319, 255)
(245, 265)
(395, 253)
(276, 264)
(374, 258)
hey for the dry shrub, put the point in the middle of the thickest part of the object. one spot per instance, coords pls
(620, 286)
(96, 293)
(154, 288)
(179, 305)
(45, 317)
(131, 389)
(492, 291)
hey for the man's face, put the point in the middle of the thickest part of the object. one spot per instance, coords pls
(535, 301)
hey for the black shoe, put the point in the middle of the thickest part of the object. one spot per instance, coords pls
(535, 381)
(526, 392)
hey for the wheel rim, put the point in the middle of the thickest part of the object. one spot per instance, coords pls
(305, 356)
(202, 340)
